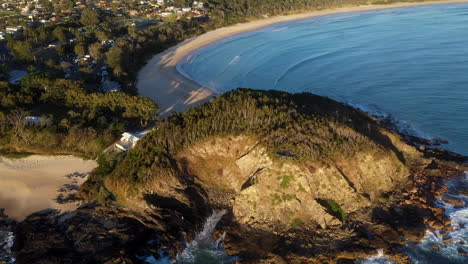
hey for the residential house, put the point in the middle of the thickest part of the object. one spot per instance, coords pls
(128, 141)
(110, 87)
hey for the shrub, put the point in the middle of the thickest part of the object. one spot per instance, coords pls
(333, 208)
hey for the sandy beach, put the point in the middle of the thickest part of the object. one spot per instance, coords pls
(34, 183)
(160, 80)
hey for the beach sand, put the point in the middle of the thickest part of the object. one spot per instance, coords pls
(160, 80)
(32, 184)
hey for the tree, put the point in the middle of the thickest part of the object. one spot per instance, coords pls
(102, 35)
(89, 17)
(96, 50)
(60, 33)
(81, 48)
(179, 3)
(21, 50)
(114, 59)
(61, 49)
(16, 119)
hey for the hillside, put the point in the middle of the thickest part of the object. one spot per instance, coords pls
(304, 179)
(277, 161)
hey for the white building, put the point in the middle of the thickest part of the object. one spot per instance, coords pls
(128, 141)
(165, 14)
(110, 87)
(36, 120)
(13, 30)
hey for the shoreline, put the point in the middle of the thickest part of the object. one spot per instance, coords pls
(40, 182)
(160, 80)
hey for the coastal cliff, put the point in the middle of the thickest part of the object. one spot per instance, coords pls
(304, 179)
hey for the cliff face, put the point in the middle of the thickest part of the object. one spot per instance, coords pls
(304, 180)
(279, 163)
(264, 190)
(272, 158)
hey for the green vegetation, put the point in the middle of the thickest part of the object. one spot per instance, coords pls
(288, 197)
(276, 199)
(297, 222)
(94, 188)
(309, 126)
(104, 116)
(285, 197)
(286, 181)
(70, 119)
(334, 209)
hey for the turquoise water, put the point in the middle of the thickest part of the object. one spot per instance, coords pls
(411, 63)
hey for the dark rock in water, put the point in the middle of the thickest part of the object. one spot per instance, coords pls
(445, 155)
(5, 222)
(462, 252)
(84, 236)
(439, 141)
(456, 202)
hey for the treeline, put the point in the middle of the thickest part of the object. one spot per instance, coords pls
(235, 10)
(68, 119)
(299, 126)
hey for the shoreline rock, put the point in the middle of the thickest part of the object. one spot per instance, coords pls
(279, 209)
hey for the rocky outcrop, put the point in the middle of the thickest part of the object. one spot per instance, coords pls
(304, 179)
(88, 235)
(268, 189)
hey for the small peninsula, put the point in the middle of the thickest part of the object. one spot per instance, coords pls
(302, 177)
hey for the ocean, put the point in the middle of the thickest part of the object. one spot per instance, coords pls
(408, 63)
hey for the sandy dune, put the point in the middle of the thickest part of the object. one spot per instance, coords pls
(160, 80)
(34, 183)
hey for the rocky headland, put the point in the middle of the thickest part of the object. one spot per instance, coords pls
(304, 179)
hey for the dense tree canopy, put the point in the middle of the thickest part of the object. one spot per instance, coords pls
(304, 126)
(89, 17)
(73, 120)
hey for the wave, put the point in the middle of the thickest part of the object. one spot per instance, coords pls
(6, 242)
(203, 249)
(451, 248)
(303, 62)
(380, 258)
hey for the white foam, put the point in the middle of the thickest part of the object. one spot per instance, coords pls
(380, 258)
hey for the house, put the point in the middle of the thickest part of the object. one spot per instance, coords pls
(165, 14)
(129, 137)
(13, 30)
(36, 120)
(198, 4)
(110, 87)
(55, 44)
(128, 141)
